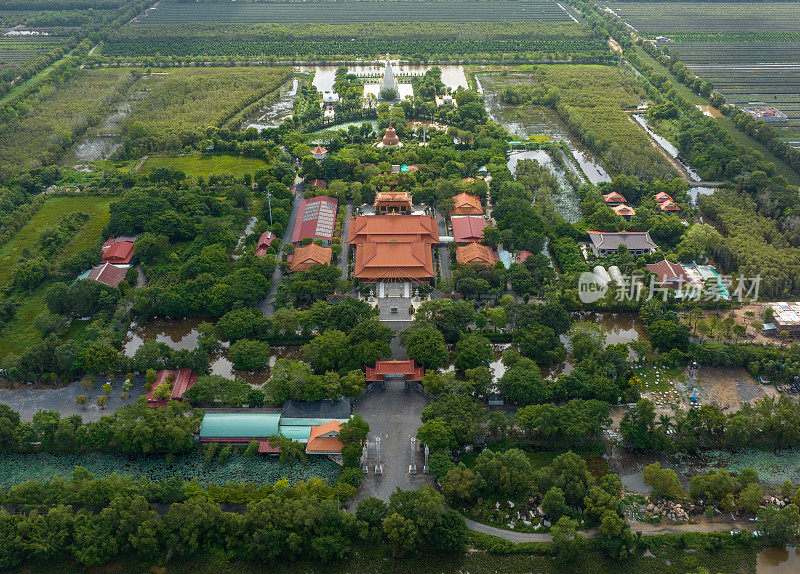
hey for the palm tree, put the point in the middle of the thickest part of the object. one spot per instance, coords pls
(665, 423)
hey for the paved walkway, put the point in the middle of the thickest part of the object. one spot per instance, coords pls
(444, 252)
(343, 257)
(393, 415)
(265, 306)
(29, 401)
(645, 529)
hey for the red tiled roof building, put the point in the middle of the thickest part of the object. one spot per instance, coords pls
(475, 253)
(466, 204)
(108, 274)
(401, 261)
(183, 380)
(393, 228)
(305, 256)
(264, 242)
(468, 228)
(316, 218)
(118, 253)
(382, 369)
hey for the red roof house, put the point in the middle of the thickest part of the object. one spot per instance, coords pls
(662, 197)
(393, 228)
(468, 228)
(393, 201)
(118, 253)
(614, 198)
(324, 439)
(307, 255)
(182, 381)
(401, 261)
(624, 211)
(316, 218)
(475, 253)
(523, 256)
(264, 242)
(384, 369)
(319, 152)
(671, 275)
(112, 240)
(669, 205)
(108, 274)
(466, 204)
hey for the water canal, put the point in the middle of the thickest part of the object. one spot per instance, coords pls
(276, 109)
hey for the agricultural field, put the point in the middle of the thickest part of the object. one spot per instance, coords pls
(750, 51)
(16, 50)
(206, 165)
(350, 12)
(416, 40)
(666, 18)
(17, 468)
(57, 116)
(182, 103)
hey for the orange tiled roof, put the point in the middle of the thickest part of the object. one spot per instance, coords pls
(624, 210)
(395, 228)
(399, 261)
(669, 205)
(322, 444)
(475, 253)
(614, 197)
(466, 204)
(307, 255)
(662, 197)
(393, 197)
(383, 368)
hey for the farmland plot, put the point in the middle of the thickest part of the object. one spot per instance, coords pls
(18, 50)
(651, 18)
(353, 12)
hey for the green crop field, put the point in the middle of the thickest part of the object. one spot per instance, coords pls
(18, 50)
(206, 165)
(750, 51)
(354, 12)
(729, 17)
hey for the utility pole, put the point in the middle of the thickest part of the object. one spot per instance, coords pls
(269, 202)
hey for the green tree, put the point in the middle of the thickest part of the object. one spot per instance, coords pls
(778, 525)
(750, 498)
(553, 503)
(426, 346)
(615, 535)
(354, 430)
(664, 482)
(567, 543)
(402, 534)
(249, 355)
(472, 350)
(459, 484)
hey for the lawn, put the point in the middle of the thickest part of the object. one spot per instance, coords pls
(658, 380)
(206, 165)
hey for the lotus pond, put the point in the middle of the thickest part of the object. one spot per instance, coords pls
(17, 468)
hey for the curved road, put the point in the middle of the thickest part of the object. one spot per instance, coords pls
(646, 529)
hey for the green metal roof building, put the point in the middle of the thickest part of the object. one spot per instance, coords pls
(244, 427)
(239, 425)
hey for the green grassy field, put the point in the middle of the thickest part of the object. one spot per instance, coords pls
(28, 236)
(206, 165)
(18, 336)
